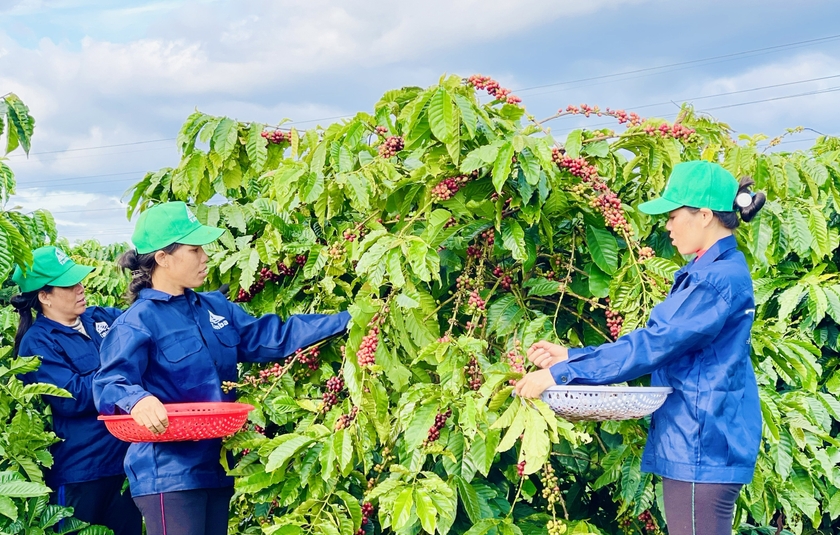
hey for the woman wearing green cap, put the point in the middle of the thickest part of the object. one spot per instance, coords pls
(66, 334)
(704, 440)
(174, 345)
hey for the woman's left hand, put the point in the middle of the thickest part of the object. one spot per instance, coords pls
(534, 383)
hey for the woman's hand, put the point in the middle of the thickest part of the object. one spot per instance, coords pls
(545, 354)
(151, 414)
(534, 383)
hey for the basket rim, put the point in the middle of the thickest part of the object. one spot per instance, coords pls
(612, 389)
(180, 410)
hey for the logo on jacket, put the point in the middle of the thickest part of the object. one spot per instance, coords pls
(102, 328)
(217, 322)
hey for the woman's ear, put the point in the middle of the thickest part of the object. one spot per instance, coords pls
(708, 217)
(44, 298)
(160, 258)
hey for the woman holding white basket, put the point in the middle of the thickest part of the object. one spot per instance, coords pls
(704, 440)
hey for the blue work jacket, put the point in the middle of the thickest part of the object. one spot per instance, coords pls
(698, 342)
(180, 349)
(68, 360)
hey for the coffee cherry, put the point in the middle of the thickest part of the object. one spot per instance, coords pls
(472, 371)
(520, 469)
(276, 136)
(366, 354)
(391, 146)
(493, 88)
(344, 421)
(381, 130)
(434, 431)
(614, 321)
(645, 253)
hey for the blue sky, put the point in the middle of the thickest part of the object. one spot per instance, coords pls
(127, 73)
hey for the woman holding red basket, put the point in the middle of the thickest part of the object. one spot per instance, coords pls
(175, 345)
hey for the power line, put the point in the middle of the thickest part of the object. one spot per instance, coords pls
(695, 61)
(818, 92)
(103, 146)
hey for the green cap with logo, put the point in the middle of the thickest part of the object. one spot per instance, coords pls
(168, 223)
(698, 184)
(50, 266)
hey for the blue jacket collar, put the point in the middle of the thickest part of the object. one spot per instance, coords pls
(715, 251)
(156, 295)
(52, 325)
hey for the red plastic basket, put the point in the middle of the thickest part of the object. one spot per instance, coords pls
(187, 421)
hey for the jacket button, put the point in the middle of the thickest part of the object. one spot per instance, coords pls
(564, 379)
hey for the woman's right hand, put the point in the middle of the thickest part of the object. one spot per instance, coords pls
(151, 414)
(545, 354)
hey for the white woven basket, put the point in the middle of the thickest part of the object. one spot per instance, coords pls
(600, 403)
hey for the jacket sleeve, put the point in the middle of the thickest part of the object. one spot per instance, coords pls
(124, 355)
(55, 370)
(678, 325)
(270, 338)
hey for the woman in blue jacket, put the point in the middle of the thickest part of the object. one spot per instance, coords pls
(174, 345)
(87, 472)
(704, 440)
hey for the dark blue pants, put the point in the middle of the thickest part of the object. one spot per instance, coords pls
(699, 508)
(102, 502)
(186, 512)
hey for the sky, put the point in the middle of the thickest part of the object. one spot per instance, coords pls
(110, 83)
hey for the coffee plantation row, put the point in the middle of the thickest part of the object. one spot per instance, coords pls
(458, 230)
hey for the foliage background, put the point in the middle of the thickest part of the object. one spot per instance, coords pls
(531, 243)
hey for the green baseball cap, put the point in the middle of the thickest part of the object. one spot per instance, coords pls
(168, 223)
(698, 184)
(50, 266)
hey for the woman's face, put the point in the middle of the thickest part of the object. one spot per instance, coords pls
(64, 303)
(186, 267)
(688, 229)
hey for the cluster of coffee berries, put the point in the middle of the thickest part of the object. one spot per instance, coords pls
(336, 251)
(610, 207)
(578, 167)
(344, 421)
(556, 527)
(274, 371)
(463, 282)
(614, 322)
(549, 275)
(309, 357)
(451, 222)
(676, 131)
(391, 146)
(265, 275)
(624, 117)
(276, 136)
(445, 339)
(350, 235)
(227, 386)
(474, 251)
(381, 130)
(434, 431)
(645, 253)
(551, 487)
(489, 237)
(520, 468)
(473, 373)
(367, 349)
(584, 109)
(335, 385)
(367, 514)
(505, 280)
(475, 303)
(493, 88)
(649, 523)
(448, 187)
(515, 360)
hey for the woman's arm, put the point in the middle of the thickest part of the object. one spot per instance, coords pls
(56, 370)
(124, 355)
(270, 338)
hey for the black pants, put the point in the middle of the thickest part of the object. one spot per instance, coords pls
(186, 512)
(699, 508)
(102, 502)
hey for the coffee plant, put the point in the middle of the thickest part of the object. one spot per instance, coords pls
(457, 231)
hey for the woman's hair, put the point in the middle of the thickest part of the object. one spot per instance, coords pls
(24, 303)
(142, 266)
(731, 220)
